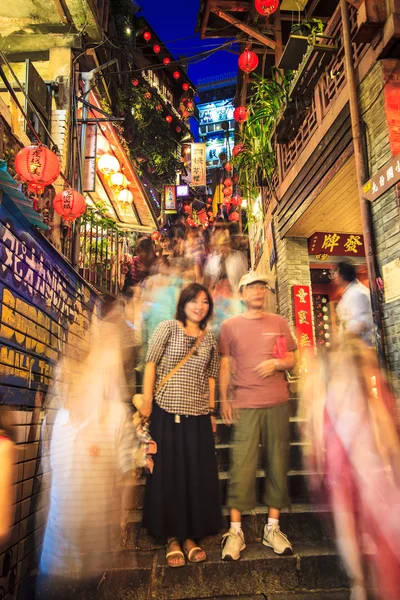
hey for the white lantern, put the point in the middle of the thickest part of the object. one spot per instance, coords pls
(108, 164)
(125, 197)
(102, 145)
(118, 181)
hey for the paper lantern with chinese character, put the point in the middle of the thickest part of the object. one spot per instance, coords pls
(248, 61)
(237, 200)
(108, 164)
(240, 114)
(70, 204)
(228, 167)
(266, 7)
(118, 181)
(168, 118)
(234, 217)
(157, 49)
(125, 197)
(237, 149)
(176, 74)
(38, 166)
(102, 145)
(147, 36)
(166, 60)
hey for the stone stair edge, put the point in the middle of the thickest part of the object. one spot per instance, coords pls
(295, 508)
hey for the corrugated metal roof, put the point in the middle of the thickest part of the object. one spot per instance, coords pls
(9, 186)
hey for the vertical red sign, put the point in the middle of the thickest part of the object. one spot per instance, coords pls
(303, 322)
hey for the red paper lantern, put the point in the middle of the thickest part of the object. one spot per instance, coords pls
(266, 7)
(237, 149)
(159, 107)
(235, 178)
(228, 191)
(237, 200)
(147, 36)
(227, 201)
(147, 95)
(228, 167)
(168, 118)
(227, 182)
(38, 166)
(70, 204)
(157, 49)
(178, 129)
(156, 236)
(187, 208)
(248, 61)
(176, 74)
(240, 114)
(166, 60)
(135, 82)
(185, 86)
(234, 217)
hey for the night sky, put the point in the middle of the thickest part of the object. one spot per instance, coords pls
(174, 19)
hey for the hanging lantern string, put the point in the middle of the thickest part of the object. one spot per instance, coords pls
(17, 102)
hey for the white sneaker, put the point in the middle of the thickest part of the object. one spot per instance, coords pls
(275, 539)
(232, 544)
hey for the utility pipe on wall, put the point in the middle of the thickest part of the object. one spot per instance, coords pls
(362, 176)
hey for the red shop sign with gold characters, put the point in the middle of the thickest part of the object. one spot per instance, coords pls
(336, 244)
(303, 322)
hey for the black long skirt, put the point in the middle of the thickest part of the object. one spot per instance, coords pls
(182, 496)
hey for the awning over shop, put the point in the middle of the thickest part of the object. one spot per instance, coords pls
(141, 215)
(12, 189)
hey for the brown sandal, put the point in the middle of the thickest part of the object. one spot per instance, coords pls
(173, 553)
(195, 550)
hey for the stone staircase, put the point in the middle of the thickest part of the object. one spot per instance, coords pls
(139, 571)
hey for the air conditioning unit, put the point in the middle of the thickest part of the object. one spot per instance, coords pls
(293, 4)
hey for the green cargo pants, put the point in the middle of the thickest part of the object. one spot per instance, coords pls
(270, 428)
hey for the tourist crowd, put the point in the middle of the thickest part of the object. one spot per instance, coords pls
(189, 341)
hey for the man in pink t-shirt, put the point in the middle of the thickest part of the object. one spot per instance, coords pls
(256, 349)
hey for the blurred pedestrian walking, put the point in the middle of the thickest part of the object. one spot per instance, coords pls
(355, 451)
(256, 349)
(182, 503)
(354, 308)
(89, 446)
(7, 470)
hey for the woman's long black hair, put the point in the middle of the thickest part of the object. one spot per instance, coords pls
(188, 294)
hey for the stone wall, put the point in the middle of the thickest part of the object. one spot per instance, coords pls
(46, 310)
(292, 269)
(379, 95)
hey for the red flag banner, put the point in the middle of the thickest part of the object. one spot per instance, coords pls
(303, 322)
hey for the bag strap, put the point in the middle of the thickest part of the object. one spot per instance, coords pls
(180, 364)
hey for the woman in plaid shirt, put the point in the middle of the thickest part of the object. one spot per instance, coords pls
(182, 501)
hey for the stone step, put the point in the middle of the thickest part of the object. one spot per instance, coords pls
(315, 595)
(260, 572)
(302, 523)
